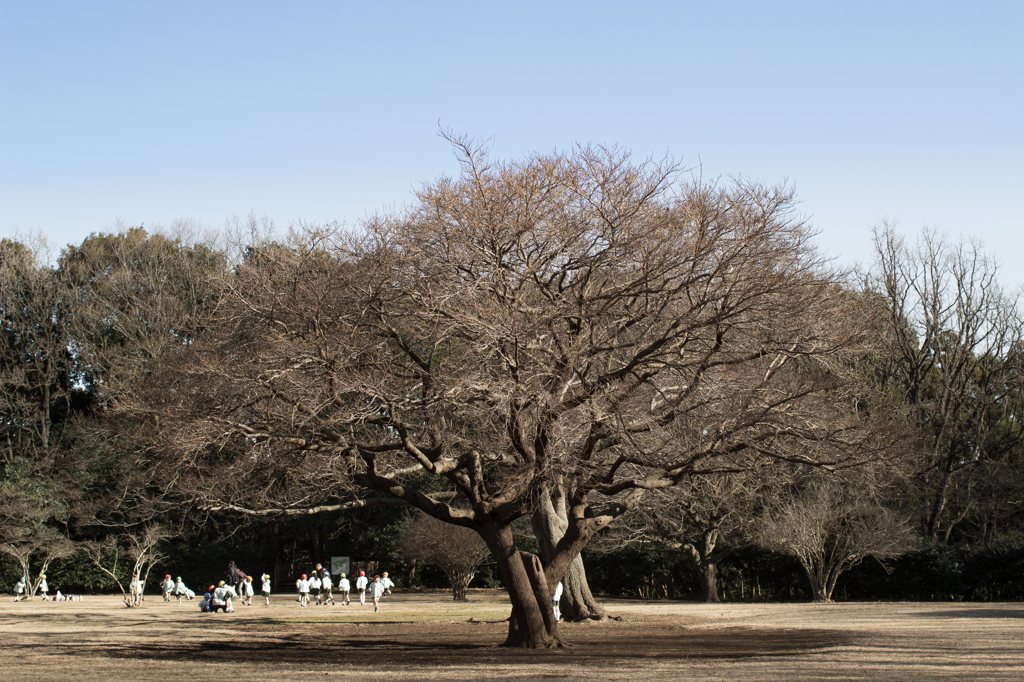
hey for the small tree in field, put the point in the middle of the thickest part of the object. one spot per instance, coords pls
(831, 526)
(136, 550)
(455, 550)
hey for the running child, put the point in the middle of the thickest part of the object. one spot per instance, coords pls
(179, 590)
(376, 591)
(166, 586)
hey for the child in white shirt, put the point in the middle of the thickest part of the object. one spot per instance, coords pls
(314, 586)
(247, 591)
(325, 588)
(179, 590)
(344, 587)
(166, 586)
(555, 599)
(361, 583)
(376, 591)
(266, 588)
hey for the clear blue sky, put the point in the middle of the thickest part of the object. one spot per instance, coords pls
(149, 111)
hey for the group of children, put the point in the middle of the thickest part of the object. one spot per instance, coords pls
(221, 596)
(319, 584)
(21, 593)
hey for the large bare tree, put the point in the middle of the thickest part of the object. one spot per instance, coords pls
(952, 358)
(573, 321)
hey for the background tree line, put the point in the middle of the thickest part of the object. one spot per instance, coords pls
(655, 385)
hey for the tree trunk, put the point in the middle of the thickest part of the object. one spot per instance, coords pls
(532, 623)
(459, 580)
(549, 523)
(819, 586)
(706, 561)
(410, 577)
(709, 582)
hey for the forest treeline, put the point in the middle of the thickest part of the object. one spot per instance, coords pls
(601, 368)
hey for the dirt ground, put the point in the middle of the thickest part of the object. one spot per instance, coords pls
(428, 637)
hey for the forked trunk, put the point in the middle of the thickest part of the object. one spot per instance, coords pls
(549, 523)
(532, 624)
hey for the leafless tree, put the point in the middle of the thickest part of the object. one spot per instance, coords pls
(573, 321)
(832, 524)
(709, 518)
(456, 550)
(952, 359)
(139, 549)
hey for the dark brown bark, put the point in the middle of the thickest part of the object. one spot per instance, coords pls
(532, 624)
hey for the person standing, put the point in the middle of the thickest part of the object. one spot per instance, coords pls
(376, 591)
(247, 591)
(303, 590)
(135, 588)
(555, 599)
(361, 583)
(43, 587)
(314, 586)
(19, 589)
(344, 586)
(266, 587)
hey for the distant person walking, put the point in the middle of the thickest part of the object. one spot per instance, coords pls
(166, 587)
(325, 588)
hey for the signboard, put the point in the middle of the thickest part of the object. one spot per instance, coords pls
(341, 564)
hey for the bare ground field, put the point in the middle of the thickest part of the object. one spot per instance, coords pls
(428, 637)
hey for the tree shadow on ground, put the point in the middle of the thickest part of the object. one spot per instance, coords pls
(401, 647)
(972, 613)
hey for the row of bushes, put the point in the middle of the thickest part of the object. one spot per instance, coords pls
(940, 573)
